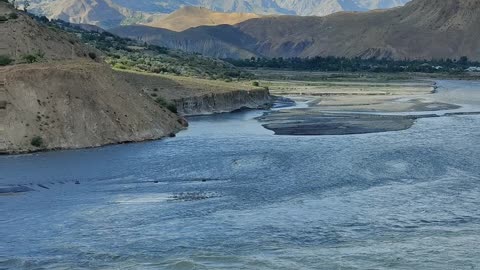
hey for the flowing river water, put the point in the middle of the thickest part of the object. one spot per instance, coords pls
(228, 194)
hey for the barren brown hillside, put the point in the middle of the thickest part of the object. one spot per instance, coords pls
(66, 99)
(22, 36)
(76, 105)
(188, 17)
(422, 29)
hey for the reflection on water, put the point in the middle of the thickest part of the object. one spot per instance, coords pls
(227, 194)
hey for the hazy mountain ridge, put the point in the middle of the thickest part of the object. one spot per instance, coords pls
(110, 13)
(188, 17)
(420, 30)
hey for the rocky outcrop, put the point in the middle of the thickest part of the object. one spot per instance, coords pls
(75, 105)
(194, 96)
(223, 102)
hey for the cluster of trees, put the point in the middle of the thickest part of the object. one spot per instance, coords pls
(342, 64)
(128, 54)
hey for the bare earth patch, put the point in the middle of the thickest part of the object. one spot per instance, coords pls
(346, 106)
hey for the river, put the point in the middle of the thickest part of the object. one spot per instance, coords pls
(228, 194)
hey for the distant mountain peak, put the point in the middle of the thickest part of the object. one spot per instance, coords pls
(188, 17)
(109, 13)
(422, 29)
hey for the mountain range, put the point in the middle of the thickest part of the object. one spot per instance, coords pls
(422, 29)
(188, 17)
(111, 13)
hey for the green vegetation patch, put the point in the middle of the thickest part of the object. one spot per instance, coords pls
(13, 16)
(133, 55)
(33, 58)
(37, 141)
(343, 64)
(169, 105)
(5, 60)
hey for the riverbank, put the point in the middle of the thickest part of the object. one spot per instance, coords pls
(81, 104)
(346, 105)
(75, 104)
(194, 96)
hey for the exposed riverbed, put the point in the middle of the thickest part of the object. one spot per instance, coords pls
(228, 194)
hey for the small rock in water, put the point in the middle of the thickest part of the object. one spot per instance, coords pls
(42, 186)
(77, 182)
(156, 181)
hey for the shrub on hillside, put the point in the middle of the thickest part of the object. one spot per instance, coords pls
(37, 141)
(172, 107)
(33, 58)
(120, 66)
(3, 19)
(169, 105)
(13, 16)
(256, 84)
(30, 58)
(92, 55)
(5, 60)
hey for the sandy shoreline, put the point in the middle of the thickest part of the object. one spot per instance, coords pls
(342, 108)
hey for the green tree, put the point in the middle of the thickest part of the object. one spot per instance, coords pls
(26, 5)
(37, 141)
(5, 60)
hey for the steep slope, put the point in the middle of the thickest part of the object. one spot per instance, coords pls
(223, 41)
(67, 100)
(188, 17)
(111, 13)
(129, 54)
(76, 105)
(420, 30)
(23, 36)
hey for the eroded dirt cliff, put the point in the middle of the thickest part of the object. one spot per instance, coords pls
(75, 104)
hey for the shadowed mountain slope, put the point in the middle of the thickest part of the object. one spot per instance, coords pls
(422, 29)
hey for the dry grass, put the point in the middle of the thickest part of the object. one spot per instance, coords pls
(174, 87)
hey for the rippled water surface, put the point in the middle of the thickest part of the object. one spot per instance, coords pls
(227, 194)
